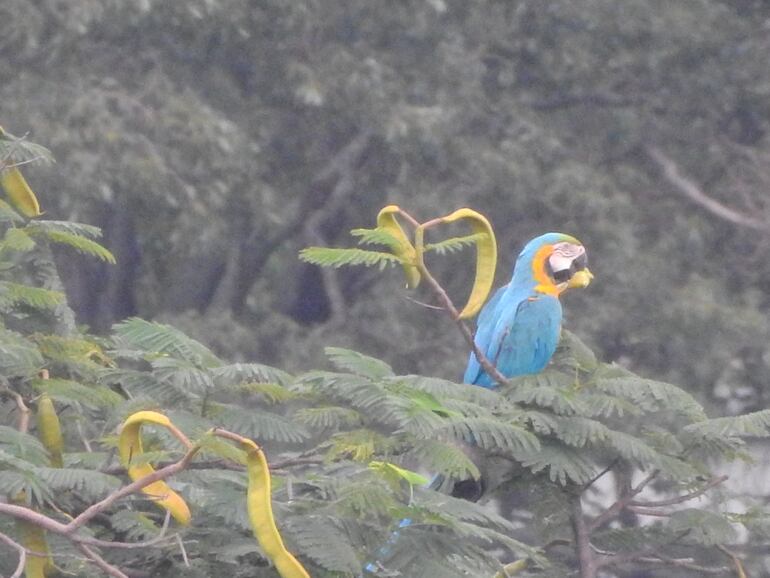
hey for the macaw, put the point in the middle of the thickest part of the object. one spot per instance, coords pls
(518, 329)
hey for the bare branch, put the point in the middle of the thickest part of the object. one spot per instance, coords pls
(686, 563)
(605, 471)
(690, 189)
(450, 308)
(681, 499)
(739, 570)
(648, 512)
(161, 474)
(97, 560)
(621, 503)
(626, 557)
(23, 420)
(588, 563)
(22, 554)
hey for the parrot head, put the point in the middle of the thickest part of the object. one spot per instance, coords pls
(553, 262)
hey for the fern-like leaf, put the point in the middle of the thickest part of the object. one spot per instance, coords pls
(69, 391)
(455, 244)
(87, 484)
(320, 539)
(443, 458)
(260, 425)
(13, 294)
(328, 417)
(330, 257)
(81, 244)
(562, 462)
(702, 526)
(492, 434)
(358, 363)
(153, 337)
(16, 239)
(376, 236)
(44, 227)
(756, 424)
(235, 373)
(22, 445)
(18, 356)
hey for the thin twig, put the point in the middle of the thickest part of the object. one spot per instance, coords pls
(690, 189)
(97, 560)
(83, 437)
(450, 308)
(681, 499)
(423, 304)
(686, 563)
(626, 557)
(25, 162)
(182, 548)
(23, 421)
(648, 512)
(605, 471)
(161, 474)
(735, 560)
(22, 554)
(621, 503)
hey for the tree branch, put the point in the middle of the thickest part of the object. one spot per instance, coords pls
(588, 563)
(626, 557)
(97, 560)
(449, 306)
(23, 420)
(161, 474)
(621, 503)
(686, 563)
(22, 554)
(681, 499)
(686, 186)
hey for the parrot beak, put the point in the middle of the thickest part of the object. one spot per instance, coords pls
(580, 279)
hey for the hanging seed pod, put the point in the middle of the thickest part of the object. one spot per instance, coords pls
(49, 430)
(130, 448)
(386, 220)
(486, 259)
(261, 514)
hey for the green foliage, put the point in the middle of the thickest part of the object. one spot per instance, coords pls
(350, 446)
(328, 257)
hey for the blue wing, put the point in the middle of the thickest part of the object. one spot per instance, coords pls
(484, 328)
(519, 335)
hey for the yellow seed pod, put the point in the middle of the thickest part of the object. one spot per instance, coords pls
(386, 220)
(33, 539)
(49, 430)
(15, 186)
(486, 259)
(130, 446)
(20, 194)
(261, 514)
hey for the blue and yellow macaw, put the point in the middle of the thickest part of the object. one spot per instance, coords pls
(518, 329)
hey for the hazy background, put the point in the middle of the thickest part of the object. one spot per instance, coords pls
(213, 139)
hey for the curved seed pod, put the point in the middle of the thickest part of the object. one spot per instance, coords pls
(261, 514)
(486, 259)
(15, 186)
(33, 539)
(49, 430)
(22, 198)
(386, 220)
(130, 446)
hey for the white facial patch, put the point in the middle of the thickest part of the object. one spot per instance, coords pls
(563, 255)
